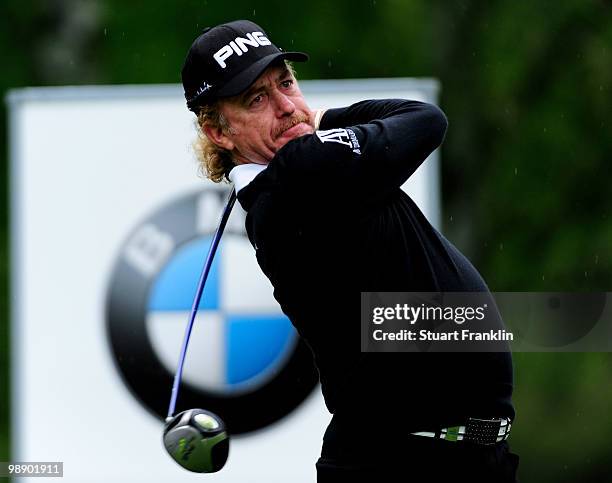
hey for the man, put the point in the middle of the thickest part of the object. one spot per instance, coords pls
(328, 220)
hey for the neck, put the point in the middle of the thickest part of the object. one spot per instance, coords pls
(239, 159)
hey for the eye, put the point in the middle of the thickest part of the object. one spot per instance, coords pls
(256, 100)
(286, 84)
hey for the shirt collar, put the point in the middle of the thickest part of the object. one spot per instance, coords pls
(243, 174)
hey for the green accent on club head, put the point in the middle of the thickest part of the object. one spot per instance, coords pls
(184, 450)
(206, 422)
(195, 453)
(206, 450)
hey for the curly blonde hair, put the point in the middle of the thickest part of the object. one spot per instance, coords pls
(215, 162)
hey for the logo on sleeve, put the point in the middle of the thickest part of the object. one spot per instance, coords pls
(340, 136)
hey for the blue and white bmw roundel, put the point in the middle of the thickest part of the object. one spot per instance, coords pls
(245, 361)
(240, 337)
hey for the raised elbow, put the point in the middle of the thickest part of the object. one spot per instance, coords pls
(438, 124)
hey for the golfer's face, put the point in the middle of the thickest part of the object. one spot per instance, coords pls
(265, 117)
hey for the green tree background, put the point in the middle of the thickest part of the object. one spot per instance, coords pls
(526, 163)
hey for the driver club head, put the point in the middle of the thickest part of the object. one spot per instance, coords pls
(197, 440)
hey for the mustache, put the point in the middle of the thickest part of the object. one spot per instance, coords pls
(289, 123)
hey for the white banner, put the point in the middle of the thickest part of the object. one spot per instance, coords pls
(110, 227)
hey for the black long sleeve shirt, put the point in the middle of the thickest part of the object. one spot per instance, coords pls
(328, 220)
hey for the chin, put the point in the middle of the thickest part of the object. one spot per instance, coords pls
(281, 143)
(302, 132)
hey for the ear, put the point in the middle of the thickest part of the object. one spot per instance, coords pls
(217, 136)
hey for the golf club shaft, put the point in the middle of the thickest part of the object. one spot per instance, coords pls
(196, 302)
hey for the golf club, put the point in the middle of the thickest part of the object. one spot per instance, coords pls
(197, 439)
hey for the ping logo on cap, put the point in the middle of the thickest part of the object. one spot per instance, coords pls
(239, 46)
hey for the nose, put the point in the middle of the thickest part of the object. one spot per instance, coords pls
(282, 104)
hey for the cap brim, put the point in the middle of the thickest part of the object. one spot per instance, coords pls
(245, 79)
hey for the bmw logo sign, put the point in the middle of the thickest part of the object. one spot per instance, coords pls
(245, 361)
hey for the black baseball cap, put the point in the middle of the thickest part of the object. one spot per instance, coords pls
(225, 60)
